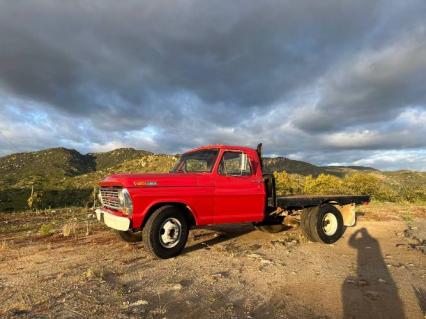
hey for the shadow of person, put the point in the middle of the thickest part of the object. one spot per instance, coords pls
(372, 293)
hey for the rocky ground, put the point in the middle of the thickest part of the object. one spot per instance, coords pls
(64, 264)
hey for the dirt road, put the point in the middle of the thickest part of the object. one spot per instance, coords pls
(226, 272)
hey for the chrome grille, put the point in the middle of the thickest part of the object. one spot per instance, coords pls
(109, 197)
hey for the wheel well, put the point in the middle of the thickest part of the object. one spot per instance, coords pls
(182, 207)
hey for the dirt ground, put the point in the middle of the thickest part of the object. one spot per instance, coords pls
(375, 271)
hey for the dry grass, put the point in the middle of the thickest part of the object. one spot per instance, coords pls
(4, 245)
(74, 227)
(378, 211)
(160, 310)
(70, 228)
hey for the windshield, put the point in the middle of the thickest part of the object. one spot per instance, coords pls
(197, 162)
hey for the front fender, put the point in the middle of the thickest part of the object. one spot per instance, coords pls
(140, 219)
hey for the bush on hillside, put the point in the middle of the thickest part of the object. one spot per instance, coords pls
(324, 184)
(287, 184)
(358, 183)
(368, 184)
(362, 183)
(413, 195)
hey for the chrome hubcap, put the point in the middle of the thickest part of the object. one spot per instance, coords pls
(329, 224)
(170, 232)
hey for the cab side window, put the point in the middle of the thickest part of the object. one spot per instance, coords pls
(235, 164)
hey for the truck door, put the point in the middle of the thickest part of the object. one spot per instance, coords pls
(239, 192)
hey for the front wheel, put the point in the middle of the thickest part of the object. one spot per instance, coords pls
(166, 232)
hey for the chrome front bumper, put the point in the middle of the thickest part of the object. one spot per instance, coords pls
(113, 221)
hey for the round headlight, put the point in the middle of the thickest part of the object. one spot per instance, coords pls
(125, 201)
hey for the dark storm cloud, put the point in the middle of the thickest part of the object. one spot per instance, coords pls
(74, 54)
(377, 87)
(168, 75)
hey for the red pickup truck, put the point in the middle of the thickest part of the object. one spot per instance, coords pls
(215, 184)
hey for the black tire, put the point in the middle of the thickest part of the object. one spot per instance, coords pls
(154, 228)
(272, 229)
(317, 219)
(130, 236)
(305, 223)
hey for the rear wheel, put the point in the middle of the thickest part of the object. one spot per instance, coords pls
(165, 232)
(305, 224)
(323, 224)
(130, 236)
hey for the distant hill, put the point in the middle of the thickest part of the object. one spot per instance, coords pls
(279, 164)
(59, 163)
(344, 170)
(116, 157)
(54, 172)
(357, 168)
(53, 162)
(407, 178)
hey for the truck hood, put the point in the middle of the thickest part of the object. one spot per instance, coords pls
(158, 180)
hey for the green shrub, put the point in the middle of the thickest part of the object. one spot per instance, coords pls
(368, 184)
(324, 184)
(362, 183)
(358, 183)
(287, 184)
(46, 230)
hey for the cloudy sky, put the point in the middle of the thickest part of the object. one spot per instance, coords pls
(323, 81)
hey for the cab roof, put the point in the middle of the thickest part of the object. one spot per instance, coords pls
(225, 147)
